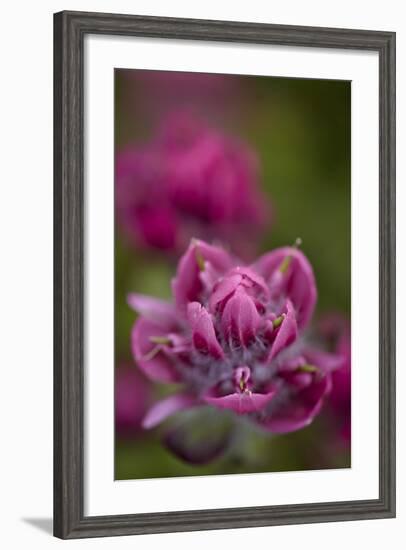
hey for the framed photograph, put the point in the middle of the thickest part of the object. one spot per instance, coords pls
(224, 274)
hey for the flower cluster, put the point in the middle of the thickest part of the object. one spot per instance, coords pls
(189, 181)
(233, 338)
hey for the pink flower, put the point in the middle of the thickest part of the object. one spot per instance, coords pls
(335, 329)
(132, 398)
(189, 181)
(152, 94)
(233, 338)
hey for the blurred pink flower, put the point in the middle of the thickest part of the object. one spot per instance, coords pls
(336, 329)
(233, 338)
(132, 398)
(190, 181)
(160, 92)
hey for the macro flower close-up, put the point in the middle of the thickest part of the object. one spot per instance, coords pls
(232, 282)
(234, 338)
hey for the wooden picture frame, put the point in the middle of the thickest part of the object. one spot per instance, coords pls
(70, 29)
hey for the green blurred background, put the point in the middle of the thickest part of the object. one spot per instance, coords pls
(301, 132)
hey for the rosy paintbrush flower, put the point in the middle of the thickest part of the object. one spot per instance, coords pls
(233, 338)
(336, 329)
(132, 397)
(189, 181)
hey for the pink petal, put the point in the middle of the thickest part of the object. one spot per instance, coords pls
(287, 332)
(165, 408)
(208, 278)
(337, 329)
(327, 362)
(340, 397)
(150, 356)
(203, 333)
(132, 393)
(297, 283)
(187, 284)
(223, 290)
(157, 226)
(292, 363)
(153, 309)
(301, 409)
(302, 379)
(240, 319)
(254, 278)
(241, 403)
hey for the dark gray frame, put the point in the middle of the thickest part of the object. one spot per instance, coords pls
(69, 31)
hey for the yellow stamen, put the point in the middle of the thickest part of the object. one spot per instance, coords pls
(151, 354)
(285, 264)
(199, 259)
(308, 368)
(278, 321)
(286, 261)
(160, 340)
